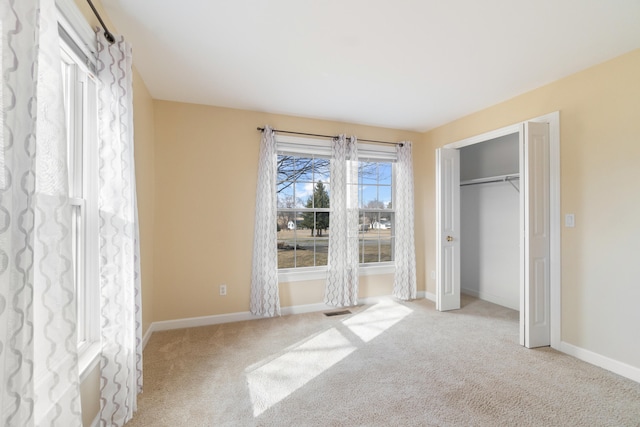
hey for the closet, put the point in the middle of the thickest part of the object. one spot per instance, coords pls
(489, 221)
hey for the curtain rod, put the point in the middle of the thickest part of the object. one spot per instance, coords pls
(332, 136)
(107, 34)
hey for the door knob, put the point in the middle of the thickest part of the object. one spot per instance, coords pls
(449, 239)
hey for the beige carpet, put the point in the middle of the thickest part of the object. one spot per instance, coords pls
(389, 364)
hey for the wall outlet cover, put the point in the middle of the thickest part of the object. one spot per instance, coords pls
(570, 220)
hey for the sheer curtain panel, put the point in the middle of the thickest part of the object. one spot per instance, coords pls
(38, 346)
(120, 311)
(342, 277)
(404, 285)
(265, 299)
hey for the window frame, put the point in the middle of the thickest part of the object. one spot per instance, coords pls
(363, 211)
(77, 44)
(315, 210)
(304, 146)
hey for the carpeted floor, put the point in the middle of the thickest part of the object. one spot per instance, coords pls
(389, 364)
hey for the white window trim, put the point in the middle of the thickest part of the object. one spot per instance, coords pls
(72, 21)
(296, 145)
(303, 274)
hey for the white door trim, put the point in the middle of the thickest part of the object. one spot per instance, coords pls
(553, 119)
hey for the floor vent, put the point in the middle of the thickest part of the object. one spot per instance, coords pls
(338, 313)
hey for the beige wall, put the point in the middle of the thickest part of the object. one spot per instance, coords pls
(145, 183)
(206, 171)
(600, 171)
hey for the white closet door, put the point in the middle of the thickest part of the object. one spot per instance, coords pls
(536, 235)
(448, 229)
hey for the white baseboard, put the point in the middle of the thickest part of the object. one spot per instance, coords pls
(147, 335)
(301, 309)
(429, 296)
(490, 297)
(193, 322)
(607, 363)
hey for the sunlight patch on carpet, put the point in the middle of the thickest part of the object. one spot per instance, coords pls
(274, 381)
(373, 321)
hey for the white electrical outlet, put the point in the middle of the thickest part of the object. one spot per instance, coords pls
(570, 220)
(223, 290)
(433, 275)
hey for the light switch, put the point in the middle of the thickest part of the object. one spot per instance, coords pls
(569, 220)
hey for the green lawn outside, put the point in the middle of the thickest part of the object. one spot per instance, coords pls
(296, 248)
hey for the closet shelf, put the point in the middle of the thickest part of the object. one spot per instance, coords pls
(498, 178)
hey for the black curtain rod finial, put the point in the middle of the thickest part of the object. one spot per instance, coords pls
(110, 38)
(107, 34)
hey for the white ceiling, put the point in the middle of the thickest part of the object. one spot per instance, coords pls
(406, 64)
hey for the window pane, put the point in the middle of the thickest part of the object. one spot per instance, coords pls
(364, 224)
(313, 239)
(322, 224)
(321, 170)
(370, 198)
(376, 236)
(303, 193)
(286, 220)
(386, 250)
(368, 172)
(317, 195)
(371, 219)
(322, 250)
(304, 255)
(384, 173)
(322, 196)
(289, 234)
(309, 223)
(286, 168)
(369, 248)
(386, 223)
(286, 249)
(304, 169)
(384, 196)
(285, 196)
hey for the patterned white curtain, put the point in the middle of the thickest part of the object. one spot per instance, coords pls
(265, 298)
(120, 311)
(38, 345)
(342, 278)
(404, 285)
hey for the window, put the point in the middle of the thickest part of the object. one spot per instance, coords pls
(80, 103)
(304, 201)
(375, 198)
(303, 210)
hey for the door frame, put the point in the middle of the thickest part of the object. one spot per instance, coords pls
(555, 308)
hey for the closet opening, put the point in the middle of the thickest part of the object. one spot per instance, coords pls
(489, 220)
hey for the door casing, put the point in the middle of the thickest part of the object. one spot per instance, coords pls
(554, 301)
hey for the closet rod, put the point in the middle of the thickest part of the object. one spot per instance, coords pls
(499, 178)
